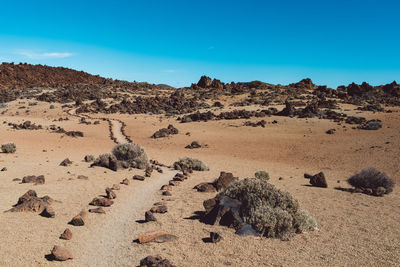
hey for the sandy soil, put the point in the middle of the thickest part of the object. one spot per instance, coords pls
(354, 229)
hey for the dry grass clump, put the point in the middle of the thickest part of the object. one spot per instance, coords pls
(9, 148)
(372, 180)
(190, 164)
(271, 212)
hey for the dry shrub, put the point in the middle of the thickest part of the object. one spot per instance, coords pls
(271, 212)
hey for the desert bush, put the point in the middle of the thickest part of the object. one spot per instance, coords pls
(372, 179)
(8, 148)
(104, 160)
(190, 164)
(131, 153)
(262, 175)
(271, 212)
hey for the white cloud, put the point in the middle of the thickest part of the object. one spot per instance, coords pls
(33, 55)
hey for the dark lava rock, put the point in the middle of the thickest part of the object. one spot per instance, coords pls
(138, 177)
(48, 212)
(317, 180)
(34, 179)
(155, 261)
(331, 131)
(371, 125)
(193, 145)
(164, 132)
(215, 237)
(149, 217)
(205, 187)
(66, 162)
(66, 235)
(224, 179)
(31, 202)
(74, 133)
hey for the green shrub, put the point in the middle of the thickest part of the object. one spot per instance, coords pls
(132, 154)
(190, 164)
(271, 212)
(8, 148)
(373, 179)
(262, 175)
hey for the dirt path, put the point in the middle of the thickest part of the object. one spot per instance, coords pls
(108, 240)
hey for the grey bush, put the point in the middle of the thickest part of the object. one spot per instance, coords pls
(272, 212)
(262, 175)
(190, 164)
(370, 178)
(132, 154)
(8, 148)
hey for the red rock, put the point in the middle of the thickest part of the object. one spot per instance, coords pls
(125, 181)
(103, 202)
(61, 254)
(80, 219)
(156, 236)
(67, 234)
(97, 210)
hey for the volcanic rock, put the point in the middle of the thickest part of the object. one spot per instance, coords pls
(61, 254)
(67, 234)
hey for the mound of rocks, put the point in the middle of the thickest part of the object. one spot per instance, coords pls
(165, 132)
(30, 202)
(27, 125)
(33, 179)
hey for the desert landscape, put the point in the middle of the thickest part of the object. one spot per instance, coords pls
(102, 172)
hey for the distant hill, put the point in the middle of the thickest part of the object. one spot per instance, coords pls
(25, 75)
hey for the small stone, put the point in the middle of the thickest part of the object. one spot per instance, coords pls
(138, 177)
(67, 234)
(159, 209)
(103, 202)
(166, 193)
(61, 254)
(82, 177)
(115, 187)
(215, 237)
(166, 187)
(125, 181)
(205, 187)
(80, 219)
(4, 169)
(97, 210)
(149, 217)
(48, 212)
(174, 183)
(155, 261)
(66, 162)
(110, 193)
(156, 236)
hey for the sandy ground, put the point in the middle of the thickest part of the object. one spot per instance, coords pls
(354, 229)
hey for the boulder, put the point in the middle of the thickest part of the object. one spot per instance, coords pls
(223, 181)
(31, 202)
(317, 180)
(159, 209)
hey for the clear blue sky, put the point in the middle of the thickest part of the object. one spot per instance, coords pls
(175, 42)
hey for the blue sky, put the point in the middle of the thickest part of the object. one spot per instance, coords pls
(175, 42)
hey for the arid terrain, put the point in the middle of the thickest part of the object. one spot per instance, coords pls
(242, 128)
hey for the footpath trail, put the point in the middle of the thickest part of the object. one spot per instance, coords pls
(108, 240)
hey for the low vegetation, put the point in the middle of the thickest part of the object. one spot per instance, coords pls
(132, 154)
(270, 211)
(9, 148)
(372, 181)
(190, 164)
